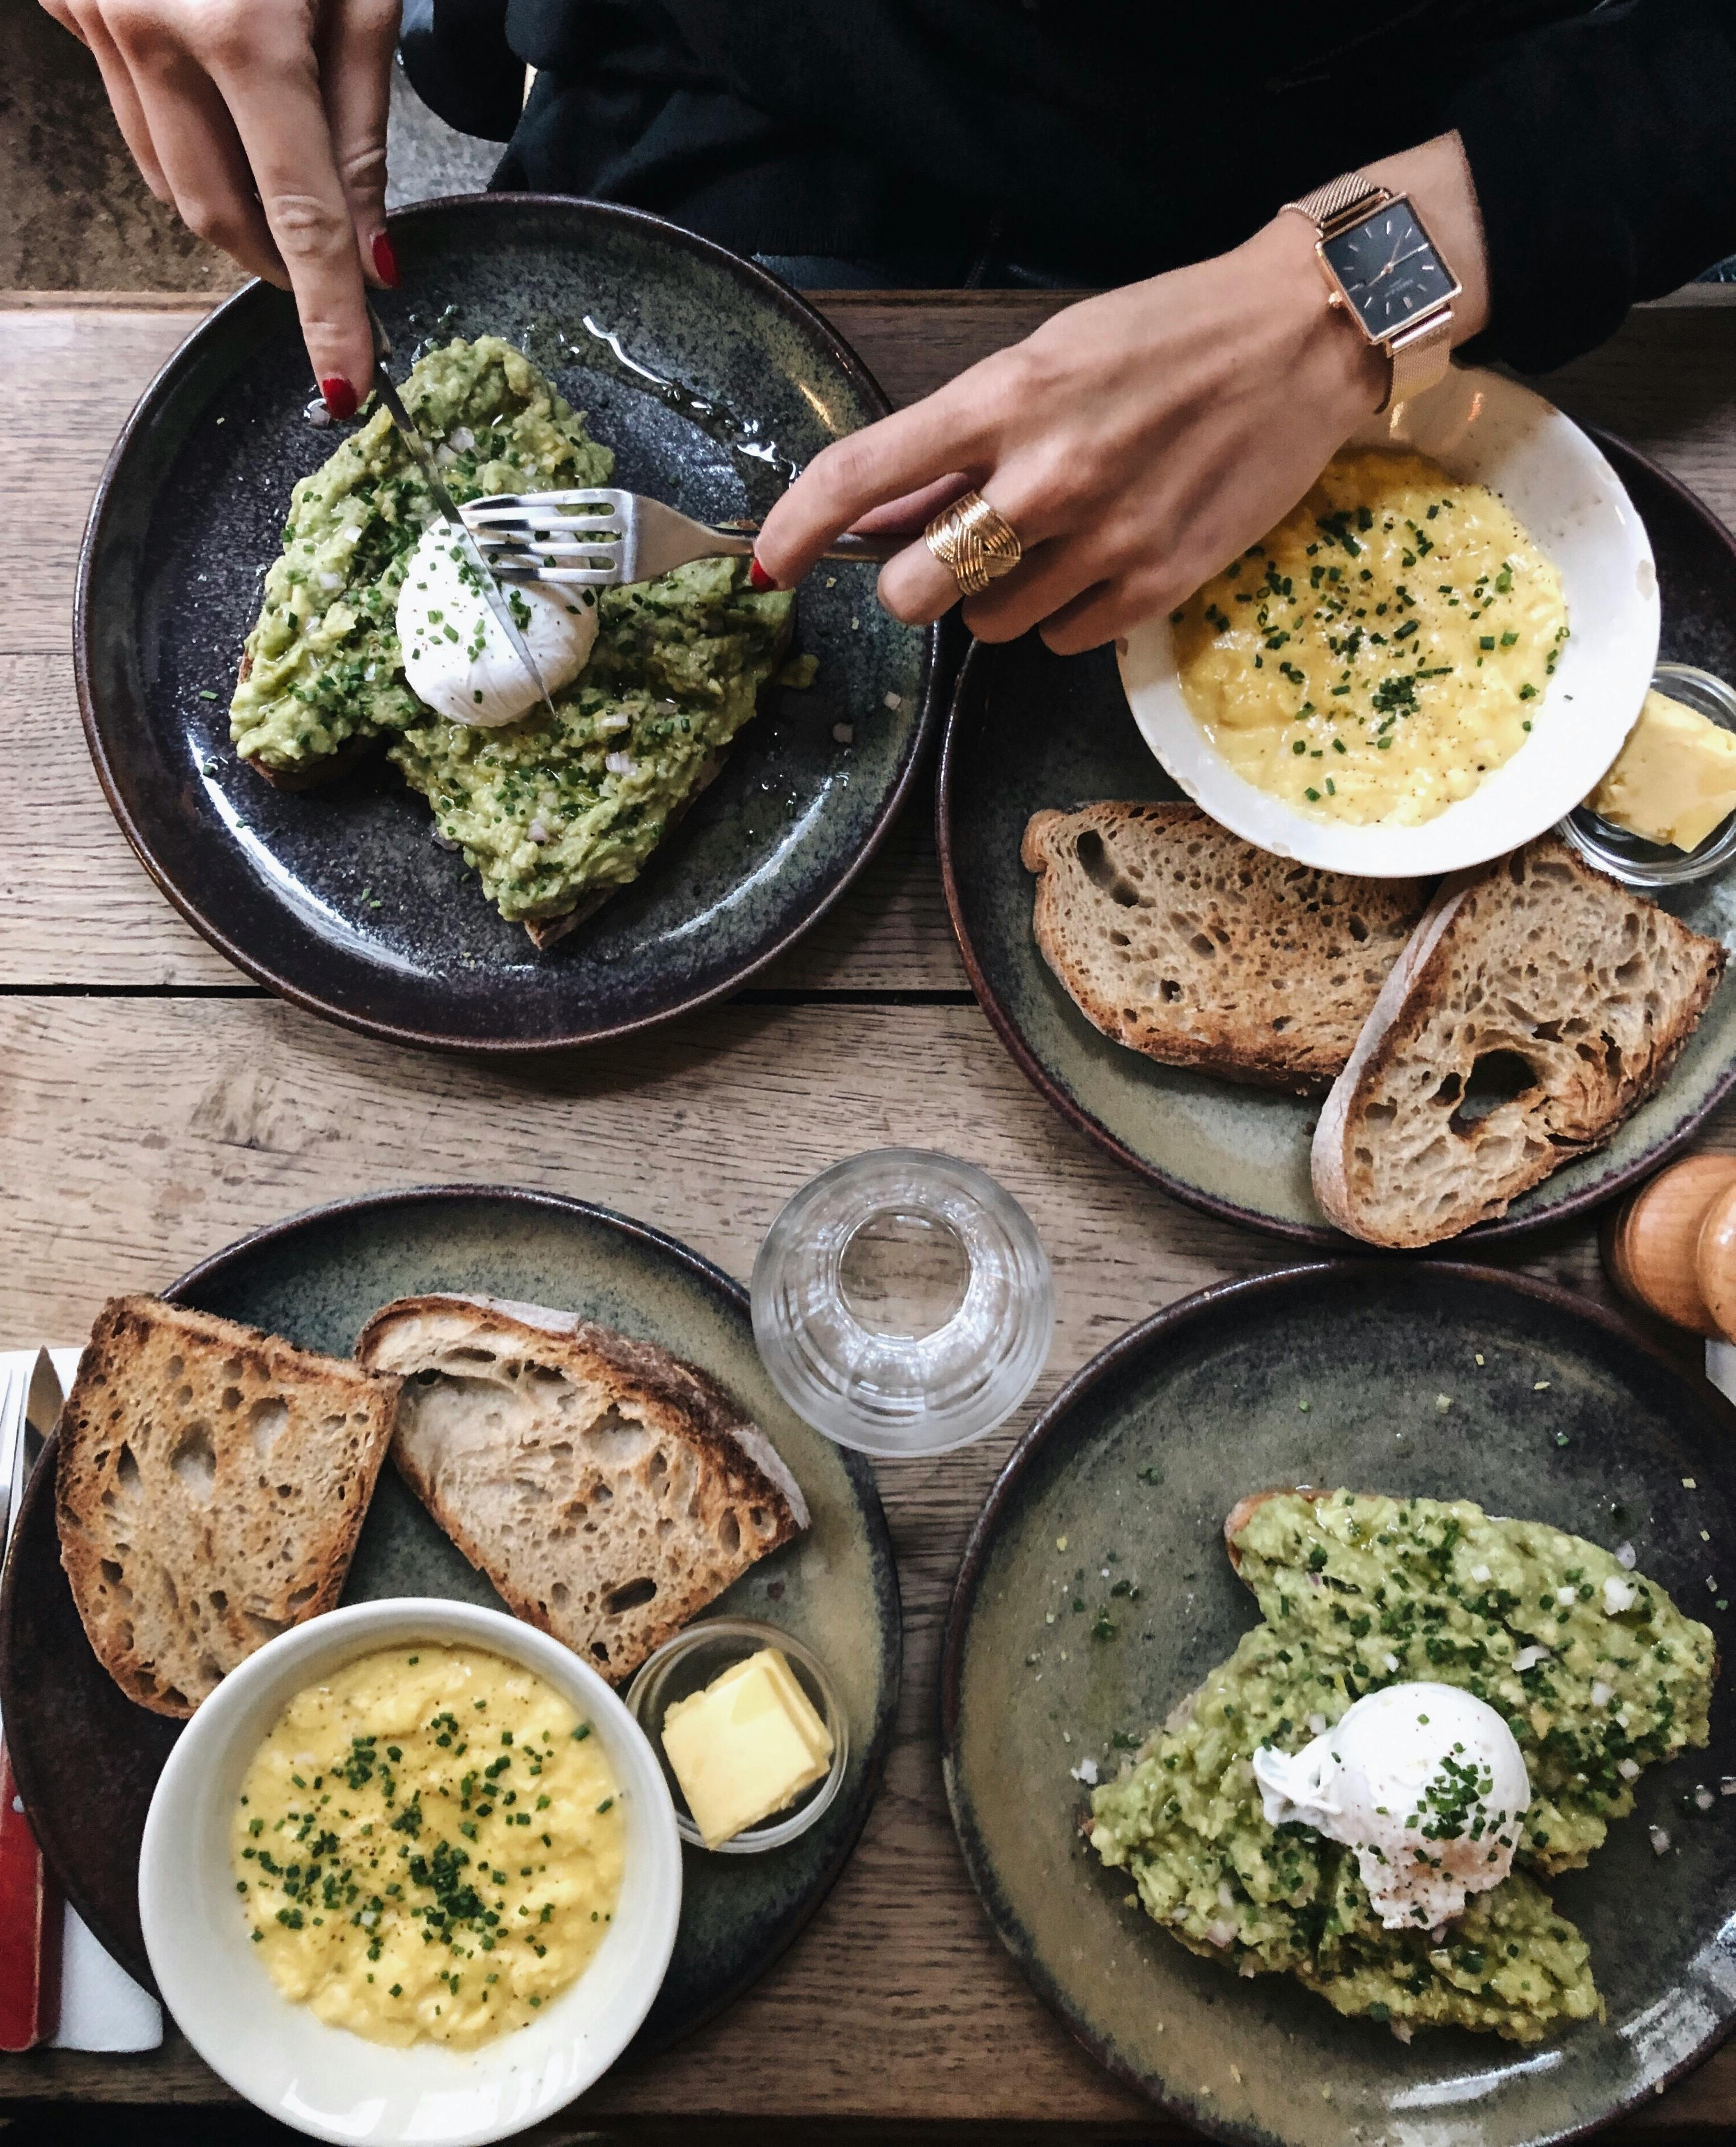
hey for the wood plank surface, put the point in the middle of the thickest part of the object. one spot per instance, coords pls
(68, 376)
(177, 1124)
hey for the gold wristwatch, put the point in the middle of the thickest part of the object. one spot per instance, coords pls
(1381, 267)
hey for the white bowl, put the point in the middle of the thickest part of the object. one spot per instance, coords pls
(1489, 430)
(324, 2081)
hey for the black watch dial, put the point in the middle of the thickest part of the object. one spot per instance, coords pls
(1389, 271)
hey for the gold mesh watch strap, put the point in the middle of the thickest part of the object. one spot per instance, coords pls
(1420, 358)
(1341, 201)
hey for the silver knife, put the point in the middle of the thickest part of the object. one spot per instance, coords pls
(422, 456)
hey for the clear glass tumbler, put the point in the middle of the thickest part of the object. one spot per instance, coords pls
(902, 1304)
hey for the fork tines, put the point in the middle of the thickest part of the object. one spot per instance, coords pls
(571, 537)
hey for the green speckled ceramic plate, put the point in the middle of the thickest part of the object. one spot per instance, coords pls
(1028, 729)
(87, 1759)
(338, 898)
(1330, 1375)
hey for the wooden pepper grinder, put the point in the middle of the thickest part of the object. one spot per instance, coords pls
(1672, 1246)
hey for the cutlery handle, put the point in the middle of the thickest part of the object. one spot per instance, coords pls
(878, 548)
(881, 549)
(30, 1927)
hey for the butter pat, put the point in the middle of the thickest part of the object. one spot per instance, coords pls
(1675, 778)
(745, 1746)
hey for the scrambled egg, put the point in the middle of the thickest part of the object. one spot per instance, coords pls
(1385, 647)
(428, 1846)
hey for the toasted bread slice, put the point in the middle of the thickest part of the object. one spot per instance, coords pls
(607, 1490)
(1177, 939)
(211, 1484)
(1577, 993)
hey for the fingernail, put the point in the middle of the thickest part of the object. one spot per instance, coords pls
(759, 577)
(385, 261)
(340, 398)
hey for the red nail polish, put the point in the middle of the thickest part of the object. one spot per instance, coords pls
(385, 261)
(759, 577)
(340, 396)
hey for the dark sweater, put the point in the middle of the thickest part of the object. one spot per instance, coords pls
(1099, 141)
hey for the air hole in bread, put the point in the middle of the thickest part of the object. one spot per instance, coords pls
(1100, 868)
(175, 1367)
(123, 1634)
(183, 1396)
(263, 1628)
(1355, 927)
(614, 1441)
(599, 1650)
(665, 1527)
(1204, 945)
(558, 1594)
(729, 1533)
(470, 1357)
(1497, 1078)
(301, 1597)
(1119, 939)
(233, 1368)
(111, 1572)
(658, 1469)
(631, 1595)
(1169, 990)
(231, 1399)
(266, 1419)
(128, 1481)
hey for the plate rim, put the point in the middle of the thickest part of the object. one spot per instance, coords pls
(40, 1491)
(1169, 1320)
(971, 684)
(788, 301)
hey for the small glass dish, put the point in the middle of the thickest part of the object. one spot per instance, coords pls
(687, 1664)
(1631, 858)
(902, 1303)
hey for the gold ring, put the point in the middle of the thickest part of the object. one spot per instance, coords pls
(978, 545)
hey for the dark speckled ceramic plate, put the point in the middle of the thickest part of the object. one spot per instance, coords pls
(338, 898)
(1330, 1375)
(1028, 729)
(87, 1760)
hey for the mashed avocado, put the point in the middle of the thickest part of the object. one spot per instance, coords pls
(1358, 1592)
(545, 811)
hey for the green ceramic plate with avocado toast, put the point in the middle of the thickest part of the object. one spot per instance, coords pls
(1096, 1593)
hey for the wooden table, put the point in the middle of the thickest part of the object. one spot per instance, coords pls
(153, 1106)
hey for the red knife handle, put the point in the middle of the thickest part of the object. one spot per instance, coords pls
(30, 1926)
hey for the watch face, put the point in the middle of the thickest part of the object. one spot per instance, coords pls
(1390, 273)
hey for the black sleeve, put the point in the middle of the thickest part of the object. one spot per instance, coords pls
(1603, 152)
(456, 54)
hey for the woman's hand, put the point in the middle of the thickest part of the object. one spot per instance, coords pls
(1137, 441)
(263, 123)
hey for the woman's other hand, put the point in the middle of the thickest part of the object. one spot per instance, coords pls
(1137, 442)
(263, 123)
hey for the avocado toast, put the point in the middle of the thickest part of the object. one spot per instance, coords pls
(1596, 1672)
(553, 813)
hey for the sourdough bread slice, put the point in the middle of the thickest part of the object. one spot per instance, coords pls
(608, 1490)
(1574, 993)
(211, 1484)
(1177, 939)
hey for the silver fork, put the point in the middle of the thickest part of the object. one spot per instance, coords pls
(599, 538)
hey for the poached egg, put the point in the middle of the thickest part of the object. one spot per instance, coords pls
(1427, 1785)
(457, 660)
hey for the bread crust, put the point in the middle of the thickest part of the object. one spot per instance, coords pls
(179, 1575)
(1420, 986)
(737, 1469)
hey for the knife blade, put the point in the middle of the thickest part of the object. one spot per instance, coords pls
(30, 1917)
(422, 456)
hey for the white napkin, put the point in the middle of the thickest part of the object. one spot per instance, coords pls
(101, 2007)
(1721, 1367)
